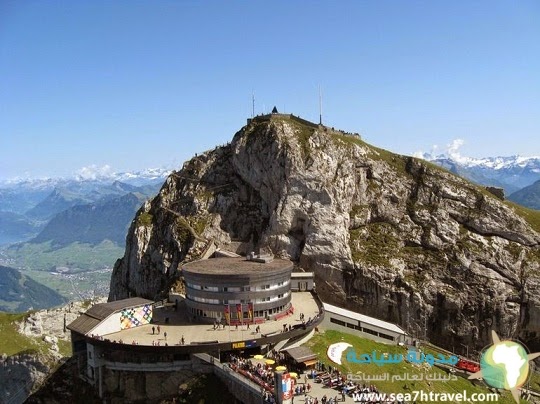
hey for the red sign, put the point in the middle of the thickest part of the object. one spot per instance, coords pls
(239, 312)
(227, 315)
(287, 386)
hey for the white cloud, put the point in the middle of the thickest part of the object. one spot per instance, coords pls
(451, 150)
(427, 155)
(93, 172)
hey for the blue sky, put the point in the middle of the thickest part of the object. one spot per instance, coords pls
(135, 84)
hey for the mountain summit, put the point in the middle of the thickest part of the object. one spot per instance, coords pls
(387, 235)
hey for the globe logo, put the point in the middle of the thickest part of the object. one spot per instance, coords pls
(505, 365)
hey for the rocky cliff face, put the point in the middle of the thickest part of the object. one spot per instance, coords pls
(387, 235)
(43, 336)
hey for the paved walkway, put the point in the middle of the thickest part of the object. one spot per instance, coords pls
(179, 325)
(319, 390)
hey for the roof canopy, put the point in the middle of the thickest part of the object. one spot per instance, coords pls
(103, 310)
(301, 354)
(99, 312)
(363, 318)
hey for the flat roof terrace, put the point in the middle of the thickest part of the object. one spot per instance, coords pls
(235, 266)
(178, 324)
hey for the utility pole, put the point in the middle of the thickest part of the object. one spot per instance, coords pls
(320, 106)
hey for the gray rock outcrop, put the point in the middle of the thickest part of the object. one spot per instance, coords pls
(24, 372)
(387, 235)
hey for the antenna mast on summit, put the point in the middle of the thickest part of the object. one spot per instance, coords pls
(253, 104)
(320, 106)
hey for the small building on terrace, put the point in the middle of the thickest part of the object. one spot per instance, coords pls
(340, 319)
(103, 319)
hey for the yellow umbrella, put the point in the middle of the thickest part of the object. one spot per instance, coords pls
(293, 375)
(281, 368)
(269, 361)
(258, 357)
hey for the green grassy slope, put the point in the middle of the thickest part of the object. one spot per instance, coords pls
(320, 342)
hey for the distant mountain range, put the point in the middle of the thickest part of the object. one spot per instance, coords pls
(28, 205)
(38, 197)
(136, 178)
(71, 223)
(15, 227)
(512, 173)
(20, 293)
(92, 223)
(528, 196)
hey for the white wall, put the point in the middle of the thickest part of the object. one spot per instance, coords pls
(109, 325)
(296, 281)
(333, 326)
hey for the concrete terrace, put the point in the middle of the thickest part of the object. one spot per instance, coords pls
(179, 324)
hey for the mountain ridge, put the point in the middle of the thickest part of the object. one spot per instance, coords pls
(129, 177)
(385, 234)
(105, 219)
(510, 173)
(528, 196)
(19, 293)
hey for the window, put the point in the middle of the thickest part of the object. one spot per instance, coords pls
(368, 331)
(386, 336)
(203, 300)
(336, 321)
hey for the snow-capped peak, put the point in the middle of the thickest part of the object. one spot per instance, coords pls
(494, 163)
(90, 174)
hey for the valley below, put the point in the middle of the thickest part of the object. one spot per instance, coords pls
(76, 284)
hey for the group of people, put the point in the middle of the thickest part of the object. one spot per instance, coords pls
(218, 325)
(279, 357)
(268, 398)
(157, 343)
(323, 400)
(332, 377)
(258, 373)
(303, 388)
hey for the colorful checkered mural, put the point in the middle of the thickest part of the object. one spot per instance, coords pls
(135, 316)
